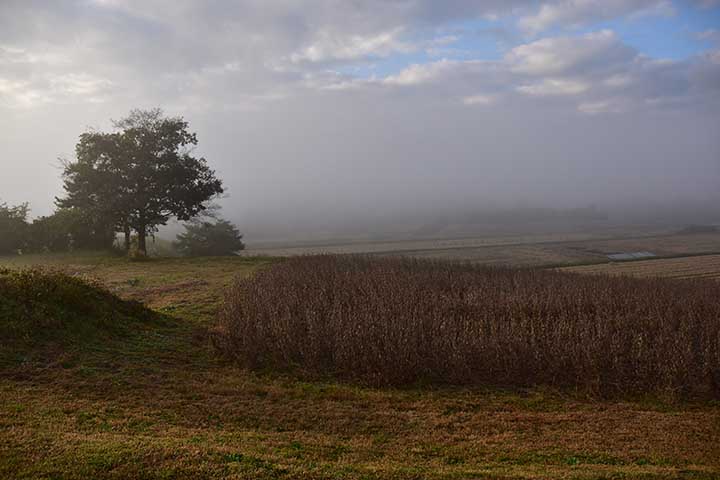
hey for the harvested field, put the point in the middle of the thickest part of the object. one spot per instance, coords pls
(702, 266)
(521, 250)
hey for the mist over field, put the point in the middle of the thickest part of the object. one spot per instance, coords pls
(331, 117)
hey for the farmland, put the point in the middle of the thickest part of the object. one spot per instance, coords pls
(521, 249)
(161, 403)
(701, 266)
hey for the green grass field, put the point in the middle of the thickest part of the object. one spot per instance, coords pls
(158, 402)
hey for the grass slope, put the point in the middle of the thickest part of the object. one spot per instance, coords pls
(159, 403)
(51, 313)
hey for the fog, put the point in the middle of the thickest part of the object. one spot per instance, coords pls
(342, 124)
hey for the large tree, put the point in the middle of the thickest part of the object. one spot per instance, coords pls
(141, 175)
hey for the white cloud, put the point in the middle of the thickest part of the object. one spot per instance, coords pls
(48, 88)
(706, 3)
(479, 99)
(570, 13)
(714, 57)
(421, 73)
(554, 87)
(618, 80)
(599, 107)
(259, 53)
(79, 84)
(712, 35)
(548, 56)
(48, 56)
(16, 93)
(582, 72)
(333, 46)
(444, 40)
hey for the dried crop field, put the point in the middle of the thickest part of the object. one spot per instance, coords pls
(702, 266)
(388, 321)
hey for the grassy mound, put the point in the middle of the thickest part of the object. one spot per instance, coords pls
(393, 321)
(40, 308)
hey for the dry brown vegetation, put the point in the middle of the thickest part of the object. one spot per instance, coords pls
(399, 321)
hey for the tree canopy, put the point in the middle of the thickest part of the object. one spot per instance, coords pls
(139, 176)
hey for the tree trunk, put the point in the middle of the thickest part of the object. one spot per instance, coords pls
(142, 245)
(127, 239)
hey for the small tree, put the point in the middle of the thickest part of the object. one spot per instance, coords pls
(202, 238)
(13, 228)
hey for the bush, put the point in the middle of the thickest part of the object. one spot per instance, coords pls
(70, 229)
(50, 233)
(64, 230)
(400, 321)
(13, 228)
(202, 239)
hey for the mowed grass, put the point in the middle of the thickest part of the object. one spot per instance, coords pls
(161, 403)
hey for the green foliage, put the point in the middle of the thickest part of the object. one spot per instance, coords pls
(71, 229)
(13, 228)
(209, 239)
(51, 233)
(65, 230)
(141, 175)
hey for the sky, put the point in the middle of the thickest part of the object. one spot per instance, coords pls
(335, 108)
